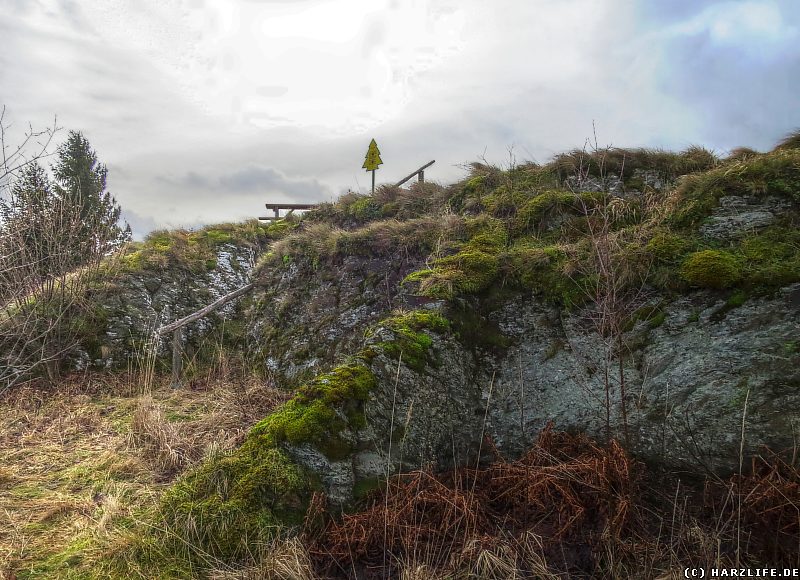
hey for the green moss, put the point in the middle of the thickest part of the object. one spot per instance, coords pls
(161, 241)
(535, 212)
(417, 320)
(667, 247)
(195, 251)
(474, 184)
(320, 410)
(364, 209)
(419, 275)
(470, 271)
(711, 269)
(736, 299)
(279, 228)
(217, 236)
(486, 234)
(772, 258)
(541, 269)
(233, 502)
(410, 342)
(772, 174)
(473, 268)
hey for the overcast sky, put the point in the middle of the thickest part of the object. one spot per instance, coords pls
(204, 110)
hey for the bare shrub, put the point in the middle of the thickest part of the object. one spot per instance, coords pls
(45, 306)
(566, 490)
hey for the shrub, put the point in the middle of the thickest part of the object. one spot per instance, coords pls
(741, 154)
(696, 158)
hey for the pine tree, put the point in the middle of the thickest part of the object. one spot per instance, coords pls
(81, 183)
(28, 212)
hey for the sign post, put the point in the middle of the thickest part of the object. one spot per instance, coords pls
(372, 160)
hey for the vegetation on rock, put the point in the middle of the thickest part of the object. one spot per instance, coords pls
(616, 234)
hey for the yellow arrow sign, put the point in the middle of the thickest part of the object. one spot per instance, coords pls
(373, 158)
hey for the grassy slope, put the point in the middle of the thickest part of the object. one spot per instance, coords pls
(79, 465)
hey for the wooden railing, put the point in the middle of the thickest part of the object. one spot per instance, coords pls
(176, 329)
(420, 172)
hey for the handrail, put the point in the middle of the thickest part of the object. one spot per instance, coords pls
(203, 311)
(420, 171)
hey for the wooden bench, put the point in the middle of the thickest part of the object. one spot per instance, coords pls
(288, 207)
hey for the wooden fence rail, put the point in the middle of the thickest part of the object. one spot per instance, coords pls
(420, 172)
(175, 329)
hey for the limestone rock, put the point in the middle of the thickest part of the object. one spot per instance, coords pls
(736, 217)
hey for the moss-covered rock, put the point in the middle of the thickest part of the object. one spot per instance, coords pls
(320, 411)
(711, 269)
(772, 258)
(773, 174)
(410, 343)
(668, 247)
(234, 502)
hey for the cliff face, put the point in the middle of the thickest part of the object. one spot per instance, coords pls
(688, 383)
(168, 276)
(689, 375)
(705, 332)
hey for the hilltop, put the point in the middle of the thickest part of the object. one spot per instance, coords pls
(642, 303)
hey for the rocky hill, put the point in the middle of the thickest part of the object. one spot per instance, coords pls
(638, 295)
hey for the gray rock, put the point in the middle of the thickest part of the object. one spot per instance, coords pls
(736, 217)
(686, 383)
(142, 301)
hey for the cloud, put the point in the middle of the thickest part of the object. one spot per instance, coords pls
(204, 111)
(248, 180)
(729, 63)
(739, 23)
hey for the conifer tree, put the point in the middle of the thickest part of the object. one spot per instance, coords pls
(81, 183)
(29, 211)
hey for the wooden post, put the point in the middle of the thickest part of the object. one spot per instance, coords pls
(420, 173)
(177, 357)
(175, 329)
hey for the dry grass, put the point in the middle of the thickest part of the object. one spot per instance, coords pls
(81, 461)
(281, 560)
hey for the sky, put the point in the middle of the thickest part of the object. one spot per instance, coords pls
(204, 110)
